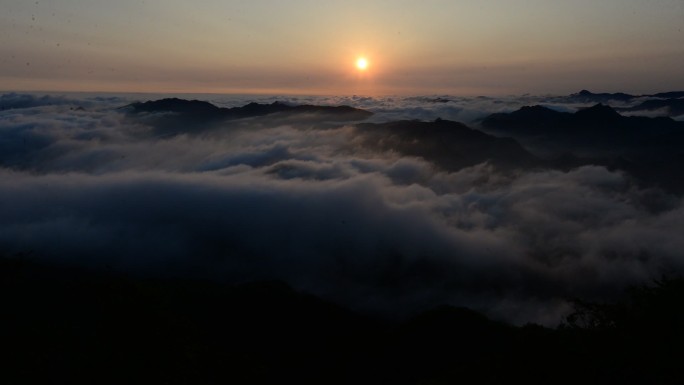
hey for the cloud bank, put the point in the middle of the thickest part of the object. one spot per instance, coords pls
(267, 199)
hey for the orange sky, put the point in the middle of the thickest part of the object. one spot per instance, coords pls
(310, 47)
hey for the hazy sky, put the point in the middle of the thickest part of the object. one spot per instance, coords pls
(307, 46)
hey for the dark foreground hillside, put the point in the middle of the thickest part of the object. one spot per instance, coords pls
(66, 326)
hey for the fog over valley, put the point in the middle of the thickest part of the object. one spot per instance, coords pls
(511, 206)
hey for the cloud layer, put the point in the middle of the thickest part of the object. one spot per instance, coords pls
(268, 199)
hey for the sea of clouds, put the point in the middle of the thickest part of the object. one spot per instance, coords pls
(84, 182)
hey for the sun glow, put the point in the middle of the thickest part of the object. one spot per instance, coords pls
(361, 63)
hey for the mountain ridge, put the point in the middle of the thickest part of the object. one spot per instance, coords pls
(202, 110)
(450, 145)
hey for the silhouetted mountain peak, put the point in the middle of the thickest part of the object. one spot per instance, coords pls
(534, 118)
(527, 118)
(175, 105)
(601, 135)
(536, 110)
(598, 112)
(586, 95)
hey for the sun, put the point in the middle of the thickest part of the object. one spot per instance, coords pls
(361, 64)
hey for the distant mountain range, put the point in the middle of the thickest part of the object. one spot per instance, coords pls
(597, 121)
(648, 148)
(201, 110)
(590, 97)
(672, 107)
(450, 145)
(667, 103)
(173, 116)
